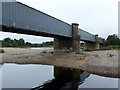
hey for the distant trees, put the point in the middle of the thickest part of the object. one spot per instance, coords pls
(113, 40)
(47, 44)
(21, 42)
(8, 42)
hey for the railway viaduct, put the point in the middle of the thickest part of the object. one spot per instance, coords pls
(16, 17)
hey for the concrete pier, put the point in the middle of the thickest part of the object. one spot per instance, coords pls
(91, 45)
(68, 44)
(75, 37)
(62, 44)
(97, 44)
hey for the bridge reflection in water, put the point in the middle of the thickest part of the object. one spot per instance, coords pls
(64, 78)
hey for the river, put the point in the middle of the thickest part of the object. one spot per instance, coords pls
(30, 76)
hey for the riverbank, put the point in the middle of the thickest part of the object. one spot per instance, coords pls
(97, 62)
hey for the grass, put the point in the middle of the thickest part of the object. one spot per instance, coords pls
(43, 53)
(2, 51)
(115, 46)
(111, 47)
(110, 55)
(50, 46)
(81, 55)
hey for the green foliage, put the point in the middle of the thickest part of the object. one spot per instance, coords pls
(28, 44)
(110, 55)
(114, 46)
(21, 42)
(8, 42)
(47, 44)
(43, 52)
(112, 40)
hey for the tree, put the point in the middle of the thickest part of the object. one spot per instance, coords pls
(15, 43)
(7, 39)
(6, 42)
(21, 42)
(28, 44)
(112, 40)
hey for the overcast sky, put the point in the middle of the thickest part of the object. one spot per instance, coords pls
(95, 16)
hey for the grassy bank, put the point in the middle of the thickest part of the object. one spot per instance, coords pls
(111, 47)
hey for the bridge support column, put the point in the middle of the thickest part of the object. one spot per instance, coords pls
(75, 37)
(97, 44)
(68, 43)
(92, 46)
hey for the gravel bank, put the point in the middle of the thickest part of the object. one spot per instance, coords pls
(97, 62)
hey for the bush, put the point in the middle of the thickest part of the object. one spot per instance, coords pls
(43, 52)
(2, 51)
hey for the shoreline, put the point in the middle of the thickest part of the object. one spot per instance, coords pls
(95, 62)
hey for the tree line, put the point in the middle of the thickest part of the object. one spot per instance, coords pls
(8, 42)
(112, 40)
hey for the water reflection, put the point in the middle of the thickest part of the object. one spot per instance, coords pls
(95, 81)
(64, 78)
(25, 76)
(42, 77)
(74, 79)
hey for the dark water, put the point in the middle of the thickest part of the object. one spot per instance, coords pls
(31, 76)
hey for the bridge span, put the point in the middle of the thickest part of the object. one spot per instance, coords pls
(19, 18)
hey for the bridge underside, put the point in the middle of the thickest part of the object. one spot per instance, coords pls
(29, 32)
(26, 20)
(60, 42)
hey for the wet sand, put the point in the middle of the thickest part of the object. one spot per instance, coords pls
(96, 62)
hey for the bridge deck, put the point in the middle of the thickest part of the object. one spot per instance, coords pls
(20, 18)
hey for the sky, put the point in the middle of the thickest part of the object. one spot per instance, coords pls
(94, 16)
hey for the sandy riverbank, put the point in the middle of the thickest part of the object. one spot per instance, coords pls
(96, 62)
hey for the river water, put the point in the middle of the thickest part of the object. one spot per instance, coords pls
(30, 76)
